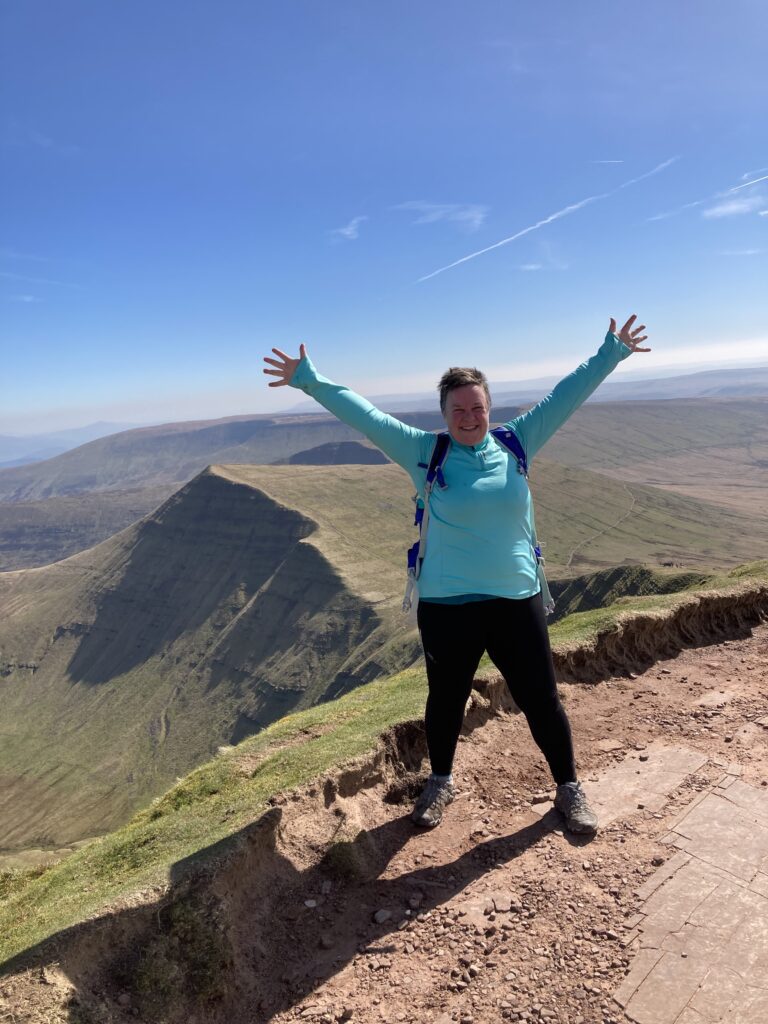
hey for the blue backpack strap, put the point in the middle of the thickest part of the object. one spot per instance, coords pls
(434, 473)
(439, 455)
(511, 441)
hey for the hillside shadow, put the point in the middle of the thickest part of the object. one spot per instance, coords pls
(195, 563)
(243, 935)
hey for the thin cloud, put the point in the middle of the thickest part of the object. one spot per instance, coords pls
(741, 252)
(469, 215)
(686, 206)
(24, 298)
(35, 280)
(13, 254)
(351, 231)
(709, 199)
(763, 213)
(751, 174)
(26, 136)
(571, 208)
(734, 207)
(548, 259)
(606, 161)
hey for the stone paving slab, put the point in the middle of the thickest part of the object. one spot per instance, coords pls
(702, 943)
(635, 783)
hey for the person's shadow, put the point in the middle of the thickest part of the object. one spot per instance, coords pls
(242, 934)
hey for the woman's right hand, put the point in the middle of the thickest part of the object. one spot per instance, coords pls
(285, 366)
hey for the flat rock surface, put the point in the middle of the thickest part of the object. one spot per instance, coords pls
(702, 943)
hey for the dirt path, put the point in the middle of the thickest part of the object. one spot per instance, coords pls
(496, 914)
(599, 533)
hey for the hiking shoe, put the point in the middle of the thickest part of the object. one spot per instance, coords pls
(571, 801)
(435, 796)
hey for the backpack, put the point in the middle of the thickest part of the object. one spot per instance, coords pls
(416, 553)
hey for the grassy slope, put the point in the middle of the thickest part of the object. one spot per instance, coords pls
(150, 648)
(587, 520)
(223, 796)
(604, 436)
(172, 633)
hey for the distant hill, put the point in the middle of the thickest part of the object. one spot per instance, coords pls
(605, 436)
(35, 533)
(710, 450)
(252, 592)
(715, 450)
(19, 450)
(175, 452)
(341, 453)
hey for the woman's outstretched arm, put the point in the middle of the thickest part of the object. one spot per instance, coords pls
(535, 427)
(405, 445)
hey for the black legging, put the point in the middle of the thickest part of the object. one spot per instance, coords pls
(514, 632)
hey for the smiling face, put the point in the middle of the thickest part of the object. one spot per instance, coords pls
(467, 413)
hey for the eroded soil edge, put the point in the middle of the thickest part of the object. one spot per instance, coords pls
(331, 907)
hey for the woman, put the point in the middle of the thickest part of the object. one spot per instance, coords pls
(479, 588)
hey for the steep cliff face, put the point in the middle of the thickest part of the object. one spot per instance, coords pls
(124, 666)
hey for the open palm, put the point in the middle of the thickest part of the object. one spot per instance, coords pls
(285, 366)
(631, 336)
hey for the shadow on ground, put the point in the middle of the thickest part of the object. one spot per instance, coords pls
(234, 938)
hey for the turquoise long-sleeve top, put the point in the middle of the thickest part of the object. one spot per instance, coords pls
(480, 539)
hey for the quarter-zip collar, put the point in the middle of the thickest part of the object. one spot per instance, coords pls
(473, 447)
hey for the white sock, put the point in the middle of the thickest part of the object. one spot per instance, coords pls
(442, 778)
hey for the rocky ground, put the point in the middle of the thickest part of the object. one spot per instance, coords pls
(497, 914)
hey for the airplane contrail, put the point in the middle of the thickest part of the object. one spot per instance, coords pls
(572, 208)
(746, 183)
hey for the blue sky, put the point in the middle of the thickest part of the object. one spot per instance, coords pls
(185, 185)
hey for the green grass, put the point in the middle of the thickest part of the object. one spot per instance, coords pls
(582, 628)
(228, 793)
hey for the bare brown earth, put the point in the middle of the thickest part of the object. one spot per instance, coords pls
(333, 908)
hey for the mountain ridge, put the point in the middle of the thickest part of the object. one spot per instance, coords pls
(252, 592)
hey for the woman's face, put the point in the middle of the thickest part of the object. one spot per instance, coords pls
(467, 413)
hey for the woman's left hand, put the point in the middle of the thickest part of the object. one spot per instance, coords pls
(631, 336)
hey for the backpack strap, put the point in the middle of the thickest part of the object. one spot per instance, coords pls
(511, 441)
(434, 476)
(434, 473)
(439, 455)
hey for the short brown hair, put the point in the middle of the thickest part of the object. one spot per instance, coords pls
(457, 377)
